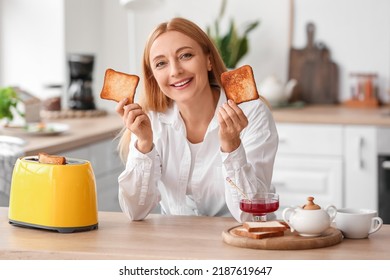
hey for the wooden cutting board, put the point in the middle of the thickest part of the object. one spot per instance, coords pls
(316, 73)
(290, 240)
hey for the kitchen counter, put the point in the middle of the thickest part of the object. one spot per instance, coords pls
(330, 114)
(85, 131)
(165, 237)
(82, 131)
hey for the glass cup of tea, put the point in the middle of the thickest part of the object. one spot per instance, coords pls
(259, 204)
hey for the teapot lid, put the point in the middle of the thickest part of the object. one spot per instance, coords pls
(310, 205)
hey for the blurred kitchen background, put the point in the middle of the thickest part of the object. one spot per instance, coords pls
(37, 37)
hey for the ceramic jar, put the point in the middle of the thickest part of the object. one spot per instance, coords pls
(309, 220)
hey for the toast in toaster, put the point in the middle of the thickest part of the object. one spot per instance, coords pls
(118, 86)
(51, 159)
(239, 84)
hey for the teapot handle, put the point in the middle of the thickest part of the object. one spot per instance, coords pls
(287, 215)
(332, 211)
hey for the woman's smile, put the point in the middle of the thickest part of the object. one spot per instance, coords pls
(182, 84)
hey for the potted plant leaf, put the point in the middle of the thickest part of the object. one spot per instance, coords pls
(8, 104)
(232, 46)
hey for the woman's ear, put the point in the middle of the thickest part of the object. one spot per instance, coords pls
(209, 65)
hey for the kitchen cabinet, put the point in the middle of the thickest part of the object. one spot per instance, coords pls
(309, 162)
(337, 164)
(361, 189)
(106, 166)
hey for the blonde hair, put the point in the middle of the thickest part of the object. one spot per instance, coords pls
(153, 99)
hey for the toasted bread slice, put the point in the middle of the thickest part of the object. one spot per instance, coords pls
(117, 86)
(241, 231)
(267, 226)
(240, 85)
(51, 159)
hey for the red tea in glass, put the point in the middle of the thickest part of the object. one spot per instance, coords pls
(259, 207)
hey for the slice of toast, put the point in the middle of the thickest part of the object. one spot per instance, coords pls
(239, 84)
(51, 159)
(267, 226)
(241, 231)
(117, 86)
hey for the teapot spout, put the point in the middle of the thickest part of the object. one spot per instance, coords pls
(289, 88)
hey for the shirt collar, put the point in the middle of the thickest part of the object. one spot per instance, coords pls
(171, 116)
(222, 100)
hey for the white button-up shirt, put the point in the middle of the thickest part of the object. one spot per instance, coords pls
(163, 175)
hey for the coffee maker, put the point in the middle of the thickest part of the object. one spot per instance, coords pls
(80, 87)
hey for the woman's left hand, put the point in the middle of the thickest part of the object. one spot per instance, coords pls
(232, 121)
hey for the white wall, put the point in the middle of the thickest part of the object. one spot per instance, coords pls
(32, 45)
(1, 38)
(357, 33)
(98, 27)
(36, 35)
(268, 43)
(82, 33)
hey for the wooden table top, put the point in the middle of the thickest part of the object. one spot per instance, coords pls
(166, 237)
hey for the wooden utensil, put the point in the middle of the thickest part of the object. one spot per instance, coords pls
(316, 73)
(236, 187)
(289, 241)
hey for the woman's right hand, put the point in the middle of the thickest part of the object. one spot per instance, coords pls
(138, 122)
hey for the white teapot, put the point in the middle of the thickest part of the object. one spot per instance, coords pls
(309, 220)
(275, 92)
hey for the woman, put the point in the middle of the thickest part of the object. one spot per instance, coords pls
(186, 138)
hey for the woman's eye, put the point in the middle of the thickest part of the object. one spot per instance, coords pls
(159, 64)
(186, 56)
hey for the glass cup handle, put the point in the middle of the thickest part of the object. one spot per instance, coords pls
(376, 224)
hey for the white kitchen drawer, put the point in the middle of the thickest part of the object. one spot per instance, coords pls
(107, 192)
(104, 157)
(307, 139)
(361, 168)
(296, 178)
(80, 153)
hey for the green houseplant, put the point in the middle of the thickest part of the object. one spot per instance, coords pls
(232, 46)
(8, 103)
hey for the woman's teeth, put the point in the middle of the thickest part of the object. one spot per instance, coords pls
(181, 83)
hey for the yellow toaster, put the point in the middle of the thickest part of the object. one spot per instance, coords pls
(54, 197)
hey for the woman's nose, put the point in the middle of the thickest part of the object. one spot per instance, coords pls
(176, 69)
